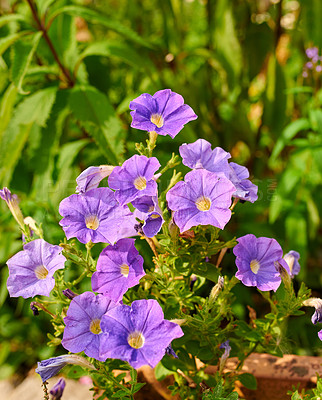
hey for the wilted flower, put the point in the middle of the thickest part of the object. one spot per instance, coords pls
(119, 267)
(134, 179)
(13, 204)
(96, 216)
(245, 189)
(31, 270)
(223, 358)
(148, 210)
(292, 260)
(91, 177)
(317, 304)
(69, 294)
(57, 390)
(203, 198)
(255, 258)
(50, 367)
(164, 113)
(83, 324)
(138, 334)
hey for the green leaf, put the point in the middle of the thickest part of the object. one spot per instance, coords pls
(12, 143)
(6, 107)
(99, 18)
(248, 380)
(21, 59)
(68, 152)
(6, 19)
(112, 48)
(218, 390)
(42, 6)
(121, 393)
(232, 396)
(288, 133)
(96, 115)
(37, 107)
(6, 42)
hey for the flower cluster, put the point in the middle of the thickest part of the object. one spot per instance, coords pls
(97, 322)
(314, 63)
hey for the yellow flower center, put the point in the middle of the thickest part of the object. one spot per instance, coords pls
(154, 216)
(157, 120)
(289, 260)
(125, 269)
(254, 266)
(92, 222)
(203, 203)
(41, 272)
(95, 326)
(140, 183)
(136, 340)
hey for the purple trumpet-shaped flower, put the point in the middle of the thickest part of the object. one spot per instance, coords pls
(83, 324)
(148, 210)
(255, 258)
(96, 216)
(203, 198)
(134, 179)
(138, 334)
(31, 270)
(51, 367)
(292, 260)
(245, 189)
(164, 113)
(320, 334)
(200, 155)
(13, 204)
(91, 177)
(58, 390)
(119, 267)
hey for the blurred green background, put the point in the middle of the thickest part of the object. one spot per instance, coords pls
(240, 64)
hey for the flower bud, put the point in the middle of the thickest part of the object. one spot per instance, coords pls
(13, 204)
(58, 389)
(216, 289)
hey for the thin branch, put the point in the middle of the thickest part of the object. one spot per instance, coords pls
(43, 29)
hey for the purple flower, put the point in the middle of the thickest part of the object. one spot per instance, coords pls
(58, 389)
(292, 260)
(203, 198)
(138, 334)
(13, 204)
(245, 189)
(164, 113)
(312, 52)
(119, 267)
(96, 216)
(83, 324)
(91, 177)
(134, 179)
(148, 210)
(318, 68)
(199, 155)
(320, 334)
(255, 258)
(31, 270)
(50, 367)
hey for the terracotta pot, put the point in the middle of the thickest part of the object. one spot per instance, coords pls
(275, 376)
